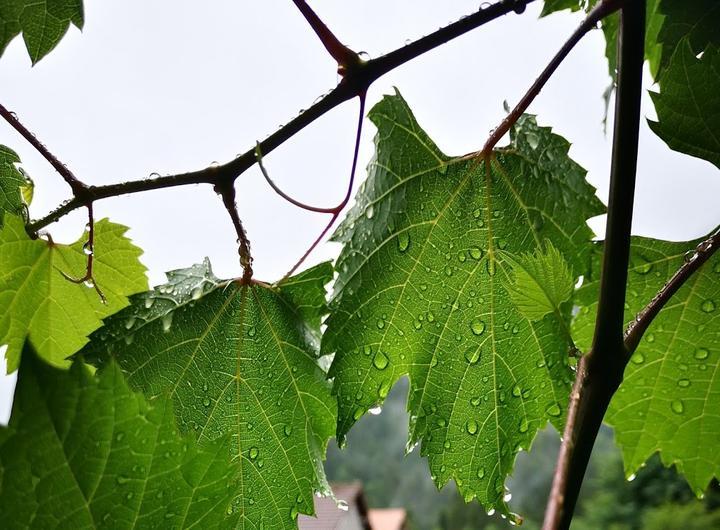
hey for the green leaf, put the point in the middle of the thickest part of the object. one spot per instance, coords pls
(42, 22)
(688, 105)
(694, 20)
(237, 360)
(38, 303)
(653, 50)
(539, 282)
(83, 451)
(552, 6)
(11, 183)
(421, 291)
(669, 399)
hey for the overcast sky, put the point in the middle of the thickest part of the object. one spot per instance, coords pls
(172, 85)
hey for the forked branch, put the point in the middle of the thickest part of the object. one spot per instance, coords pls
(355, 82)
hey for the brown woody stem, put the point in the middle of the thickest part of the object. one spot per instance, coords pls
(600, 372)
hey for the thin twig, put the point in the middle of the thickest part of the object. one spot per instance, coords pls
(336, 211)
(276, 189)
(693, 262)
(344, 56)
(353, 84)
(600, 372)
(600, 11)
(75, 184)
(89, 250)
(228, 196)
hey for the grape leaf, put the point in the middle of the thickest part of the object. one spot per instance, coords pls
(670, 397)
(43, 23)
(83, 451)
(55, 314)
(694, 20)
(238, 360)
(688, 104)
(421, 291)
(11, 183)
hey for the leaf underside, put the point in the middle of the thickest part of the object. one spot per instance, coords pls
(42, 23)
(83, 451)
(421, 290)
(238, 361)
(688, 104)
(57, 315)
(669, 401)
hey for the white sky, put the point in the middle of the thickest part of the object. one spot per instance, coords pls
(172, 85)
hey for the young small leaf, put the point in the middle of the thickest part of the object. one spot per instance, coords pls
(421, 290)
(38, 303)
(83, 451)
(670, 396)
(540, 281)
(237, 360)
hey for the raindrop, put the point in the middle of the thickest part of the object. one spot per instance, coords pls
(380, 361)
(369, 211)
(553, 410)
(288, 430)
(167, 322)
(380, 323)
(708, 306)
(523, 427)
(441, 422)
(481, 472)
(87, 249)
(477, 326)
(206, 402)
(130, 322)
(677, 406)
(384, 389)
(471, 427)
(475, 401)
(403, 241)
(149, 302)
(702, 353)
(253, 453)
(683, 383)
(472, 355)
(637, 358)
(375, 411)
(89, 283)
(631, 477)
(252, 331)
(475, 253)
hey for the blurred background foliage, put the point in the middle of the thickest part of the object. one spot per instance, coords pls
(656, 499)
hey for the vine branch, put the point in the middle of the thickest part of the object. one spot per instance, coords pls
(355, 82)
(600, 11)
(77, 187)
(693, 262)
(344, 56)
(600, 371)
